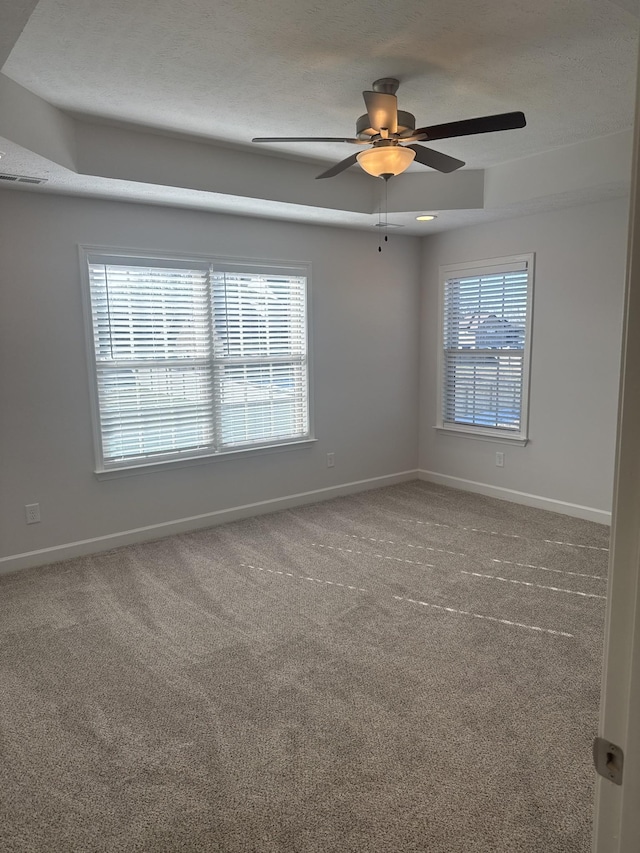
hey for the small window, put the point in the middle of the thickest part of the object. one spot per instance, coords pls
(196, 358)
(485, 345)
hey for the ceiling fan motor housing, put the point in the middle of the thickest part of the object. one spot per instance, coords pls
(406, 121)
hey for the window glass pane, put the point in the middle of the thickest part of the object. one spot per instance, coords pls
(150, 410)
(261, 402)
(149, 313)
(486, 312)
(483, 390)
(258, 315)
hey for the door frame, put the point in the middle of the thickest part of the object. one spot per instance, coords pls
(617, 807)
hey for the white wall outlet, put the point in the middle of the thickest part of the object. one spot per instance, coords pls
(500, 459)
(331, 460)
(32, 512)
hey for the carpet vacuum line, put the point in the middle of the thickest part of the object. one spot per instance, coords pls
(468, 557)
(451, 610)
(506, 535)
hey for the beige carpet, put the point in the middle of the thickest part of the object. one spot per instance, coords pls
(408, 669)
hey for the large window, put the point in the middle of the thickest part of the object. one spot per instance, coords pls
(485, 344)
(195, 358)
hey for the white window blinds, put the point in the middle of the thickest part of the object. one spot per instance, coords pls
(485, 347)
(191, 361)
(260, 358)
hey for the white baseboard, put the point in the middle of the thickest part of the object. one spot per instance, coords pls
(97, 544)
(576, 510)
(56, 553)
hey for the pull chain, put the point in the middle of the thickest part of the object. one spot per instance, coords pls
(384, 223)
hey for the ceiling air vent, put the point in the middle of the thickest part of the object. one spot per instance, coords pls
(22, 179)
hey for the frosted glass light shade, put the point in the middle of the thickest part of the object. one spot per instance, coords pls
(386, 160)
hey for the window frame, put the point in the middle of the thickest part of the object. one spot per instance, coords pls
(108, 254)
(485, 267)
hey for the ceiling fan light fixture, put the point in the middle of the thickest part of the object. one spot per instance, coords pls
(386, 160)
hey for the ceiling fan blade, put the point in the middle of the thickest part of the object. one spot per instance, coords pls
(467, 127)
(434, 159)
(308, 139)
(339, 167)
(382, 110)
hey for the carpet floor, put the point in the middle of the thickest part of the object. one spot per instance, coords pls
(413, 668)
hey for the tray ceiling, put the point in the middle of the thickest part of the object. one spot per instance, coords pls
(215, 75)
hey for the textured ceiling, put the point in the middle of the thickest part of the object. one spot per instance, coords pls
(229, 70)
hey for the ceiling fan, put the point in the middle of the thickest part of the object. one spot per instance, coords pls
(392, 135)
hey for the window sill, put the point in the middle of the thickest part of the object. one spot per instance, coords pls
(480, 435)
(188, 462)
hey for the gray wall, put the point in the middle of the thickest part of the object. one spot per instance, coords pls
(365, 366)
(370, 337)
(577, 322)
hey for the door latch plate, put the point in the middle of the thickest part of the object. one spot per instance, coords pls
(608, 759)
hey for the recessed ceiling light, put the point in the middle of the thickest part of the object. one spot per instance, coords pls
(426, 217)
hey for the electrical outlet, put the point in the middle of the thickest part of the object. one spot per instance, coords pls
(331, 460)
(500, 459)
(32, 512)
